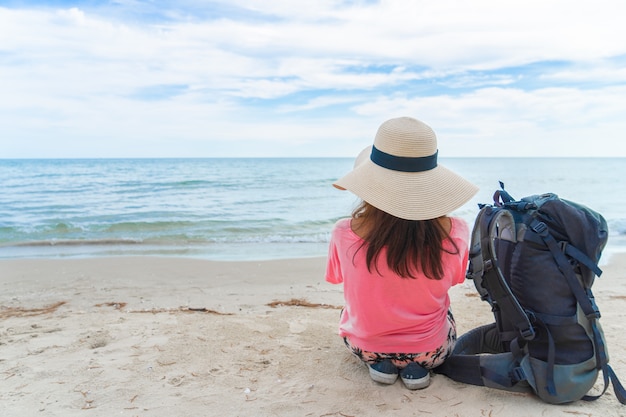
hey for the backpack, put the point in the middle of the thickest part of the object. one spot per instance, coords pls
(534, 261)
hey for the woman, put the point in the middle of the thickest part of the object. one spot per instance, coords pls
(399, 254)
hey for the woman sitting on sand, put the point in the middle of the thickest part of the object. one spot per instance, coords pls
(399, 254)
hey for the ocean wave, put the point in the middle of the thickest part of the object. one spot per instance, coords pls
(73, 242)
(173, 233)
(188, 232)
(617, 226)
(177, 240)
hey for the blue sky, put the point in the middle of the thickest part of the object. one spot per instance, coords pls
(140, 78)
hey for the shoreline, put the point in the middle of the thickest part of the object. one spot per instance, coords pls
(164, 336)
(234, 252)
(226, 252)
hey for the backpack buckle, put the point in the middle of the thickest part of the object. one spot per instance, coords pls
(488, 265)
(593, 316)
(528, 334)
(596, 311)
(539, 227)
(518, 375)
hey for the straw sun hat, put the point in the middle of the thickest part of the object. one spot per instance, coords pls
(400, 175)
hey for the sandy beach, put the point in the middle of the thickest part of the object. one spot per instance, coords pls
(150, 336)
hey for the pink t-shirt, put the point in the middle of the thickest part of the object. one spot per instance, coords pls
(387, 313)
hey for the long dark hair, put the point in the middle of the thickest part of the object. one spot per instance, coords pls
(412, 245)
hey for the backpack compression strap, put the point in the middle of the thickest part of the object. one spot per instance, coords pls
(570, 251)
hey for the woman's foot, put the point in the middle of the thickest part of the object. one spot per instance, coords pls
(384, 372)
(415, 376)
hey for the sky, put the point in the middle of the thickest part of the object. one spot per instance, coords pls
(286, 78)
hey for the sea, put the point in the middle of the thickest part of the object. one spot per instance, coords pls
(244, 208)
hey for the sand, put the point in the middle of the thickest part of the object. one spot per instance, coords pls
(149, 336)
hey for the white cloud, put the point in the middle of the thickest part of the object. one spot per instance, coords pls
(303, 73)
(497, 121)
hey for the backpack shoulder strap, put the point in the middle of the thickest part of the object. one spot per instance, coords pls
(491, 224)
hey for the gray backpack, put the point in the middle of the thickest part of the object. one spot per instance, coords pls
(534, 261)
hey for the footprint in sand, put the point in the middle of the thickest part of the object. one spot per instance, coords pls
(97, 340)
